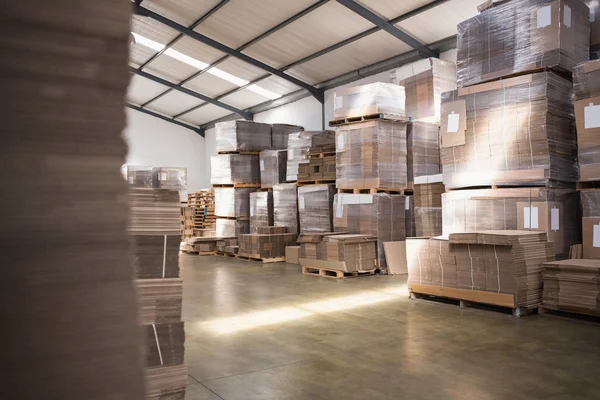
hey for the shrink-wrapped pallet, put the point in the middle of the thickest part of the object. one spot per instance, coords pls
(554, 211)
(423, 149)
(138, 175)
(280, 134)
(302, 143)
(518, 131)
(315, 204)
(227, 228)
(273, 166)
(229, 169)
(371, 154)
(522, 35)
(242, 136)
(586, 89)
(374, 98)
(233, 202)
(261, 210)
(285, 206)
(424, 82)
(379, 215)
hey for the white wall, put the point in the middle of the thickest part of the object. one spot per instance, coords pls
(158, 143)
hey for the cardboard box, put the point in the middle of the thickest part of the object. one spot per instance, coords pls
(586, 78)
(229, 169)
(395, 256)
(232, 227)
(374, 98)
(590, 202)
(261, 210)
(285, 206)
(424, 82)
(338, 251)
(241, 135)
(265, 245)
(302, 143)
(518, 131)
(372, 154)
(233, 202)
(594, 7)
(423, 149)
(315, 208)
(273, 166)
(522, 35)
(280, 134)
(292, 254)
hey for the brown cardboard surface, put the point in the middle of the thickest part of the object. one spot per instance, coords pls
(586, 136)
(395, 256)
(593, 65)
(589, 224)
(291, 254)
(450, 139)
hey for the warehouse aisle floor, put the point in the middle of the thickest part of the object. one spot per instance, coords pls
(269, 332)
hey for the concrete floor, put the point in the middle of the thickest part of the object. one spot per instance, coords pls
(259, 331)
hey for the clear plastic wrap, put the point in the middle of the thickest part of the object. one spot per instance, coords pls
(280, 134)
(227, 228)
(518, 131)
(285, 206)
(409, 216)
(423, 149)
(501, 265)
(522, 35)
(233, 202)
(173, 178)
(138, 175)
(242, 136)
(302, 143)
(371, 154)
(154, 212)
(424, 82)
(375, 98)
(428, 208)
(594, 6)
(315, 204)
(228, 169)
(586, 88)
(261, 210)
(554, 211)
(273, 167)
(380, 215)
(266, 245)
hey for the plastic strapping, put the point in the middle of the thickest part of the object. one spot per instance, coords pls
(497, 267)
(157, 344)
(164, 257)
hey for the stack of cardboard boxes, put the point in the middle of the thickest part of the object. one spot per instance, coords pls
(267, 244)
(261, 210)
(428, 205)
(235, 173)
(315, 208)
(336, 251)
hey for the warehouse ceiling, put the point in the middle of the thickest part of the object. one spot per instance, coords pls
(197, 61)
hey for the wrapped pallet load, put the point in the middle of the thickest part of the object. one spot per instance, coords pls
(280, 134)
(522, 35)
(261, 210)
(302, 143)
(590, 201)
(229, 169)
(234, 136)
(233, 202)
(315, 208)
(376, 215)
(138, 175)
(365, 100)
(285, 206)
(273, 166)
(517, 131)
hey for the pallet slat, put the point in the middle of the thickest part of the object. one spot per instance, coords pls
(334, 273)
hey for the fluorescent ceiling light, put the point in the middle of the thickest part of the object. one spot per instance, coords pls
(139, 39)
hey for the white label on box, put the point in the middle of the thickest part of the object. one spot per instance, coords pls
(340, 142)
(530, 218)
(591, 116)
(544, 17)
(251, 211)
(453, 122)
(339, 210)
(262, 164)
(301, 202)
(163, 176)
(407, 203)
(131, 180)
(596, 236)
(567, 16)
(555, 219)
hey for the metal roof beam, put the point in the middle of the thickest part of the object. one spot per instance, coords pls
(139, 10)
(198, 130)
(178, 37)
(331, 48)
(189, 92)
(242, 47)
(381, 66)
(389, 28)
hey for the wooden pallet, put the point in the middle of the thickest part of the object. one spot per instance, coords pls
(256, 257)
(369, 117)
(375, 190)
(240, 152)
(320, 155)
(222, 253)
(333, 273)
(469, 298)
(568, 314)
(237, 185)
(316, 182)
(266, 188)
(584, 185)
(200, 253)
